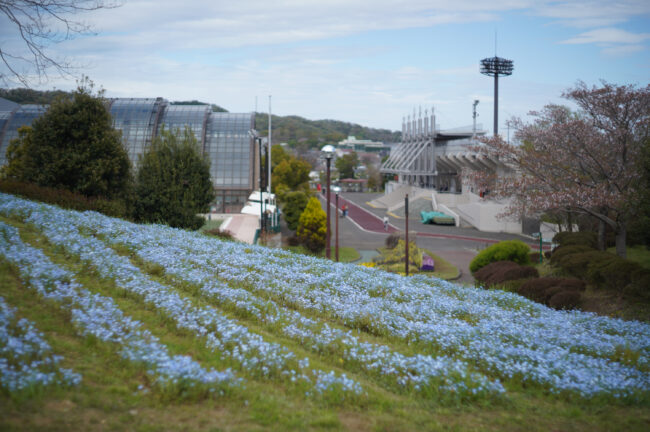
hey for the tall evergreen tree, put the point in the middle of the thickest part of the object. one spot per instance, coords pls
(72, 146)
(173, 182)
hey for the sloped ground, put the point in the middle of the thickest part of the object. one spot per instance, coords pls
(112, 325)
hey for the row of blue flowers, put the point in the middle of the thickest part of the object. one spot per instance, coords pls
(223, 335)
(26, 359)
(100, 317)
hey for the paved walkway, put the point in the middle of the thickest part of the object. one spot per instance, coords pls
(242, 227)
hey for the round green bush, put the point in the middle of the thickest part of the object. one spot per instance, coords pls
(509, 250)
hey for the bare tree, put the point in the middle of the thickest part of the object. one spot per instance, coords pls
(39, 24)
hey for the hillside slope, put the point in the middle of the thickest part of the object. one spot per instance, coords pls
(118, 325)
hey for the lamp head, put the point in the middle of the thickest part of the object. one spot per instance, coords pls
(327, 151)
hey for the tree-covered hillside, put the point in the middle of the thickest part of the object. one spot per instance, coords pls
(294, 129)
(29, 96)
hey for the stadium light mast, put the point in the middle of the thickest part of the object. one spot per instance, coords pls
(494, 67)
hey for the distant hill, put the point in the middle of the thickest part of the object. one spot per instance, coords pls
(295, 129)
(25, 96)
(291, 129)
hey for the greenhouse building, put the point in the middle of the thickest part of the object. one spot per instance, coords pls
(223, 137)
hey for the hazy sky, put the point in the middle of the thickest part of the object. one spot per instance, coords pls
(367, 62)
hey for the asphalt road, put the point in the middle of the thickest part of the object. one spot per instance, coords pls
(363, 230)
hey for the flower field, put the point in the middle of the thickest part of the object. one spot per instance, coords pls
(180, 318)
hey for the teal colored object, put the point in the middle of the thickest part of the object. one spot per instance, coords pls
(434, 217)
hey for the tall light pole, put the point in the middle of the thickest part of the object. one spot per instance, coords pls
(255, 137)
(494, 67)
(336, 215)
(328, 152)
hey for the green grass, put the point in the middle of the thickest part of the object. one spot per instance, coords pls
(211, 224)
(346, 254)
(108, 398)
(639, 254)
(443, 268)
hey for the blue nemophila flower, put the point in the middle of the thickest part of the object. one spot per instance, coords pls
(100, 317)
(26, 359)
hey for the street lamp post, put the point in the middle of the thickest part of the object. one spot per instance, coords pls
(336, 215)
(328, 152)
(259, 140)
(255, 137)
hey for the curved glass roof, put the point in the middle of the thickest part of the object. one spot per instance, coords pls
(181, 116)
(137, 118)
(224, 137)
(229, 148)
(24, 116)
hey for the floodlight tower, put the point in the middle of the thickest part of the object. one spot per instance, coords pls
(496, 66)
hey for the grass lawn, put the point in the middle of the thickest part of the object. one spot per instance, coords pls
(640, 254)
(443, 268)
(346, 253)
(211, 224)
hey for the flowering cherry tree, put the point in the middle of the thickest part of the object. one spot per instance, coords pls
(582, 161)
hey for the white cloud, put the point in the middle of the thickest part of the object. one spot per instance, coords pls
(608, 36)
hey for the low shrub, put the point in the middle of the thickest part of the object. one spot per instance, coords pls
(224, 235)
(485, 273)
(293, 241)
(66, 199)
(542, 290)
(563, 251)
(509, 250)
(565, 300)
(579, 264)
(582, 238)
(615, 273)
(392, 240)
(504, 271)
(640, 285)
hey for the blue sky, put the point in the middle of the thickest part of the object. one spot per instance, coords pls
(365, 62)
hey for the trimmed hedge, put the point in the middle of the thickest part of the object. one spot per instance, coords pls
(579, 264)
(582, 238)
(66, 199)
(503, 271)
(216, 232)
(563, 251)
(509, 250)
(559, 293)
(616, 273)
(565, 300)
